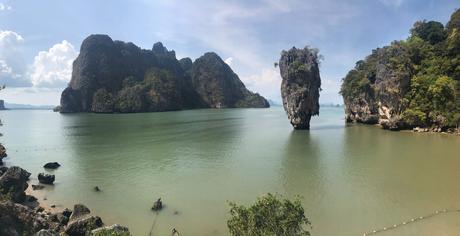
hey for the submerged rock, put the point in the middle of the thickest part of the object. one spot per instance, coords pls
(51, 165)
(13, 183)
(37, 187)
(46, 178)
(300, 85)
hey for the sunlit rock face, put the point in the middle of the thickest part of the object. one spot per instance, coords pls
(300, 85)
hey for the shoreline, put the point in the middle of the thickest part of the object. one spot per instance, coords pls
(23, 213)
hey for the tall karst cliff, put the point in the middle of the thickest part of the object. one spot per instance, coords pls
(301, 85)
(114, 76)
(410, 83)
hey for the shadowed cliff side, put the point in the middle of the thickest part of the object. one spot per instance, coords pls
(114, 76)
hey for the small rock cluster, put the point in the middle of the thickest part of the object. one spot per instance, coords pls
(21, 214)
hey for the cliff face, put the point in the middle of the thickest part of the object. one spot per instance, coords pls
(219, 86)
(410, 83)
(114, 76)
(379, 99)
(300, 85)
(2, 105)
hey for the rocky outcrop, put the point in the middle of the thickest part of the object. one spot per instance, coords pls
(117, 230)
(13, 183)
(412, 83)
(300, 85)
(79, 211)
(51, 165)
(83, 226)
(17, 219)
(46, 178)
(2, 105)
(380, 99)
(219, 86)
(2, 153)
(113, 76)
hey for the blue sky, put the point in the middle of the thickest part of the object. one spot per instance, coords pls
(40, 39)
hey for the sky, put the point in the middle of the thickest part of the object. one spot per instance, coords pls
(39, 39)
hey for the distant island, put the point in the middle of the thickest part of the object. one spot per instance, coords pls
(113, 76)
(413, 83)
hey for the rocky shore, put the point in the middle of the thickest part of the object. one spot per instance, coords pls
(22, 214)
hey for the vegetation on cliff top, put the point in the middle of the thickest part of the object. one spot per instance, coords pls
(420, 81)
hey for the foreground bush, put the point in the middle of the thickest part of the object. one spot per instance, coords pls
(269, 216)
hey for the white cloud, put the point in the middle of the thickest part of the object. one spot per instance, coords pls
(53, 68)
(267, 82)
(8, 38)
(4, 7)
(12, 63)
(4, 68)
(229, 61)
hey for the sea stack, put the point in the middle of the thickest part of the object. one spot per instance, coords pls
(300, 86)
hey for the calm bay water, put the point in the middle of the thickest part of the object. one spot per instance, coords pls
(352, 178)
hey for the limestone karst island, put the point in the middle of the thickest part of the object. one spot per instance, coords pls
(229, 118)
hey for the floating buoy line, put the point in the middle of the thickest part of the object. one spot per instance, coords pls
(413, 220)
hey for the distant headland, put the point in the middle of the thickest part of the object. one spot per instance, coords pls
(113, 76)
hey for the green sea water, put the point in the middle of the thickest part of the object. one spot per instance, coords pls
(353, 179)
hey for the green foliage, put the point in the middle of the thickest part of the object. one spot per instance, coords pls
(269, 216)
(102, 101)
(454, 22)
(130, 99)
(414, 117)
(431, 31)
(429, 59)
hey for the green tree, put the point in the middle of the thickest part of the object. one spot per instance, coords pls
(269, 216)
(431, 31)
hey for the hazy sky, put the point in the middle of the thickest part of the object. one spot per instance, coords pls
(39, 39)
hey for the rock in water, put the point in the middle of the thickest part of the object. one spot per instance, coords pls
(301, 85)
(45, 178)
(2, 153)
(158, 205)
(51, 165)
